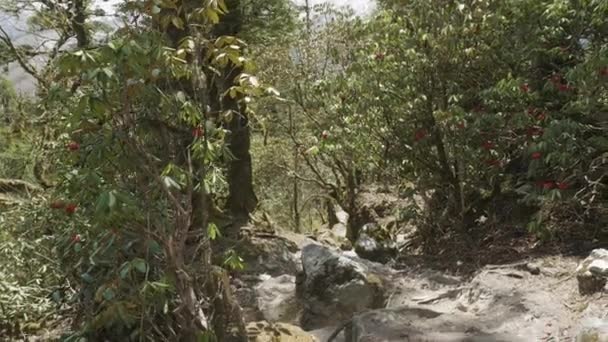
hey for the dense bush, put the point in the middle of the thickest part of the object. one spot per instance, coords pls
(468, 102)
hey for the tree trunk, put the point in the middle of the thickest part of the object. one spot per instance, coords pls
(296, 188)
(241, 197)
(212, 284)
(78, 24)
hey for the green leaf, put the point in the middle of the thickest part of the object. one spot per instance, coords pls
(222, 5)
(105, 202)
(97, 106)
(154, 247)
(213, 231)
(233, 261)
(171, 183)
(178, 22)
(108, 72)
(212, 15)
(111, 200)
(57, 296)
(108, 294)
(140, 265)
(124, 271)
(87, 278)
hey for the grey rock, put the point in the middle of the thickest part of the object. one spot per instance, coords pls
(592, 273)
(419, 324)
(370, 248)
(341, 215)
(339, 230)
(332, 286)
(593, 330)
(274, 255)
(277, 300)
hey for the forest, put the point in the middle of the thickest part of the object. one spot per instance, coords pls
(269, 170)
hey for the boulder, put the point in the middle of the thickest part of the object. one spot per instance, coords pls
(592, 273)
(377, 206)
(375, 243)
(245, 294)
(593, 330)
(334, 237)
(333, 286)
(269, 254)
(265, 255)
(370, 248)
(340, 216)
(277, 299)
(272, 332)
(593, 324)
(339, 230)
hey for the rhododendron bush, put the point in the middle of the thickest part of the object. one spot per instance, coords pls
(467, 102)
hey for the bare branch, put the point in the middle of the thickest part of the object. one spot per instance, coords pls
(27, 67)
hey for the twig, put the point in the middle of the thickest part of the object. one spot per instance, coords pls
(339, 328)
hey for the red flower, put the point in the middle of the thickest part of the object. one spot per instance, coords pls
(379, 56)
(71, 208)
(541, 116)
(76, 238)
(420, 134)
(563, 87)
(534, 131)
(73, 146)
(197, 132)
(536, 155)
(57, 205)
(525, 87)
(548, 185)
(488, 145)
(563, 185)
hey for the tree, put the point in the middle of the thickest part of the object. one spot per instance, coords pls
(141, 166)
(241, 196)
(301, 64)
(467, 108)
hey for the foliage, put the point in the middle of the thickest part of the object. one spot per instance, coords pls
(483, 107)
(463, 102)
(140, 159)
(477, 107)
(300, 64)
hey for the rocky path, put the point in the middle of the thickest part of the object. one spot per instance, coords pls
(314, 289)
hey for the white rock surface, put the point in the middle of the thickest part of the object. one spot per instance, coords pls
(277, 299)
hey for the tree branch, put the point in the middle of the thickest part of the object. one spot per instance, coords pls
(20, 58)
